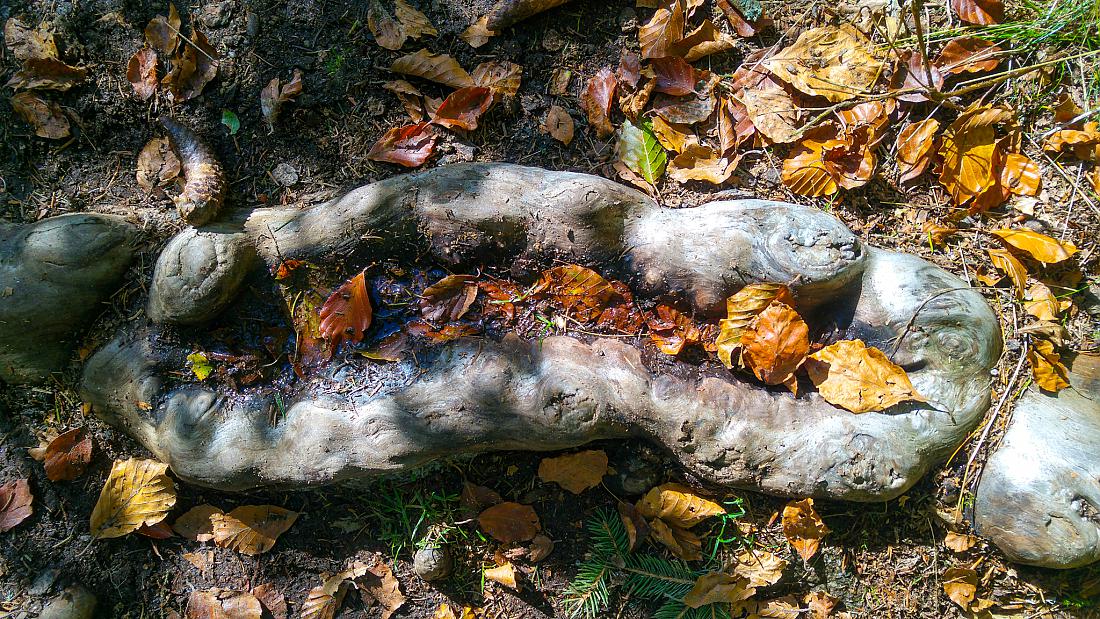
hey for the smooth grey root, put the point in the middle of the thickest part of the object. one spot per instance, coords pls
(480, 395)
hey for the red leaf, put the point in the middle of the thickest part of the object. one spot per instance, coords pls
(15, 503)
(979, 12)
(597, 99)
(347, 313)
(675, 76)
(160, 530)
(68, 455)
(463, 107)
(409, 146)
(141, 71)
(630, 69)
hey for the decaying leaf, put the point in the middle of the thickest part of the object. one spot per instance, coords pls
(272, 600)
(409, 146)
(433, 67)
(462, 108)
(786, 607)
(68, 455)
(776, 344)
(347, 313)
(477, 497)
(957, 542)
(163, 33)
(45, 116)
(387, 31)
(1047, 367)
(141, 72)
(559, 124)
(1037, 245)
(703, 41)
(915, 147)
(448, 299)
(478, 33)
(641, 152)
(438, 336)
(719, 587)
(979, 12)
(968, 55)
(960, 584)
(15, 504)
(760, 567)
(702, 163)
(25, 42)
(672, 330)
(223, 603)
(821, 604)
(409, 97)
(575, 472)
(673, 137)
(665, 28)
(379, 583)
(275, 94)
(803, 528)
(691, 109)
(157, 165)
(505, 574)
(677, 505)
(195, 524)
(500, 76)
(251, 529)
(325, 599)
(597, 99)
(137, 492)
(1010, 265)
(637, 528)
(675, 76)
(741, 310)
(580, 291)
(682, 543)
(541, 547)
(859, 378)
(834, 62)
(772, 111)
(192, 69)
(510, 522)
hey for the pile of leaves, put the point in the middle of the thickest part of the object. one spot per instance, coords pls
(192, 61)
(43, 70)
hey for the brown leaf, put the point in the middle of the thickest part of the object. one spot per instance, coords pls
(409, 146)
(251, 529)
(637, 529)
(968, 55)
(272, 600)
(772, 111)
(915, 146)
(68, 455)
(195, 523)
(629, 71)
(1047, 367)
(911, 74)
(597, 100)
(1066, 108)
(741, 26)
(742, 309)
(510, 522)
(478, 497)
(701, 42)
(559, 124)
(448, 299)
(577, 290)
(859, 378)
(275, 94)
(15, 504)
(223, 604)
(392, 348)
(1039, 246)
(409, 97)
(541, 547)
(834, 62)
(325, 599)
(803, 528)
(192, 69)
(347, 313)
(141, 72)
(478, 33)
(677, 505)
(718, 587)
(786, 607)
(960, 584)
(201, 560)
(821, 604)
(414, 23)
(672, 330)
(759, 567)
(674, 76)
(956, 542)
(623, 316)
(380, 584)
(505, 574)
(673, 137)
(979, 12)
(157, 165)
(163, 33)
(387, 31)
(462, 108)
(47, 74)
(1011, 266)
(445, 334)
(665, 28)
(503, 296)
(575, 472)
(683, 544)
(690, 109)
(776, 344)
(439, 68)
(500, 76)
(25, 42)
(702, 163)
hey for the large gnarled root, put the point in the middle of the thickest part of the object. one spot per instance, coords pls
(1039, 495)
(480, 395)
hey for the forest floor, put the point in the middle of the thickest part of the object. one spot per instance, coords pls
(880, 560)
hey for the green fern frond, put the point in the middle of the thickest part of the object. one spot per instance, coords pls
(677, 610)
(652, 577)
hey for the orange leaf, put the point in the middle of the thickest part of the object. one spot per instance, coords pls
(742, 309)
(1084, 143)
(702, 163)
(449, 298)
(47, 118)
(968, 148)
(439, 68)
(163, 33)
(677, 505)
(624, 316)
(1010, 265)
(409, 146)
(979, 12)
(438, 336)
(718, 587)
(575, 472)
(463, 107)
(1038, 246)
(1047, 367)
(672, 330)
(665, 28)
(803, 528)
(576, 289)
(347, 313)
(251, 529)
(510, 522)
(776, 345)
(960, 584)
(141, 72)
(703, 41)
(1020, 175)
(192, 69)
(597, 100)
(223, 603)
(915, 146)
(68, 455)
(859, 378)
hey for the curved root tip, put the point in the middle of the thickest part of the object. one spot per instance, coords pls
(204, 190)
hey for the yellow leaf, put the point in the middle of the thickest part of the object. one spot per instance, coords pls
(858, 378)
(1047, 367)
(968, 149)
(1038, 246)
(251, 529)
(760, 567)
(504, 574)
(1011, 266)
(718, 587)
(673, 137)
(1041, 303)
(575, 472)
(137, 492)
(960, 584)
(678, 506)
(200, 365)
(803, 528)
(741, 310)
(834, 62)
(957, 542)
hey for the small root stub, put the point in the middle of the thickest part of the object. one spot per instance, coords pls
(204, 190)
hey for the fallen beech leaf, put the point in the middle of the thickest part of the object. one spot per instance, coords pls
(392, 348)
(1039, 246)
(195, 524)
(629, 71)
(25, 42)
(702, 163)
(859, 378)
(683, 544)
(956, 542)
(575, 472)
(448, 299)
(759, 567)
(639, 150)
(1020, 175)
(719, 587)
(68, 455)
(690, 109)
(15, 504)
(803, 528)
(741, 310)
(478, 497)
(674, 76)
(163, 33)
(834, 62)
(347, 313)
(157, 165)
(478, 33)
(201, 560)
(439, 68)
(444, 334)
(915, 146)
(251, 529)
(141, 72)
(1010, 265)
(776, 344)
(504, 574)
(597, 100)
(786, 607)
(409, 146)
(541, 547)
(772, 111)
(272, 600)
(665, 28)
(575, 289)
(325, 599)
(672, 330)
(380, 584)
(559, 124)
(218, 603)
(960, 584)
(637, 529)
(1083, 143)
(677, 505)
(137, 492)
(415, 23)
(192, 69)
(1047, 367)
(1041, 303)
(821, 604)
(462, 108)
(968, 149)
(200, 365)
(701, 42)
(503, 296)
(510, 522)
(409, 97)
(968, 55)
(979, 12)
(823, 162)
(275, 94)
(500, 76)
(45, 116)
(912, 79)
(673, 137)
(387, 31)
(633, 104)
(623, 316)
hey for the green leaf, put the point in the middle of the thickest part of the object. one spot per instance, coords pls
(640, 151)
(230, 120)
(200, 365)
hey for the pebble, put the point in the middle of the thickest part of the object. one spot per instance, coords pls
(285, 175)
(432, 563)
(76, 602)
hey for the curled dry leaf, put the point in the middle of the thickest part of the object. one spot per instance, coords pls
(163, 33)
(622, 317)
(409, 97)
(379, 583)
(157, 165)
(195, 524)
(1047, 367)
(760, 567)
(276, 93)
(439, 68)
(45, 116)
(192, 69)
(500, 76)
(979, 12)
(683, 544)
(703, 41)
(15, 504)
(218, 603)
(691, 109)
(251, 529)
(575, 472)
(673, 137)
(915, 146)
(702, 163)
(640, 151)
(824, 162)
(913, 79)
(559, 124)
(478, 33)
(577, 290)
(803, 528)
(272, 600)
(347, 313)
(674, 76)
(1083, 143)
(510, 522)
(859, 378)
(772, 111)
(25, 42)
(444, 334)
(776, 344)
(677, 505)
(325, 599)
(387, 31)
(741, 310)
(503, 296)
(834, 62)
(597, 100)
(1037, 245)
(504, 574)
(637, 529)
(718, 587)
(821, 604)
(409, 146)
(960, 584)
(462, 108)
(141, 72)
(968, 55)
(68, 455)
(957, 542)
(1010, 265)
(541, 547)
(664, 29)
(448, 299)
(672, 330)
(137, 492)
